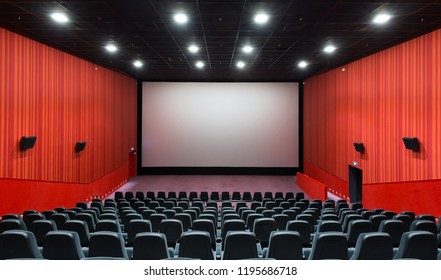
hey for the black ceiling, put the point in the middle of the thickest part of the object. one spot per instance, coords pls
(296, 30)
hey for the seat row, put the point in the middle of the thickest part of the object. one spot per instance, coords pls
(205, 196)
(308, 218)
(283, 245)
(219, 224)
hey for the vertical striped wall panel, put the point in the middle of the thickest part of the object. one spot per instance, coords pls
(378, 100)
(62, 99)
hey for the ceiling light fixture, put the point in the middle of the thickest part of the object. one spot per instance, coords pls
(193, 49)
(329, 49)
(200, 64)
(302, 64)
(261, 18)
(181, 18)
(240, 64)
(247, 49)
(138, 63)
(381, 18)
(60, 17)
(111, 48)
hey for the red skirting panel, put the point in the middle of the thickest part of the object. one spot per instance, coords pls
(313, 188)
(421, 197)
(19, 195)
(333, 183)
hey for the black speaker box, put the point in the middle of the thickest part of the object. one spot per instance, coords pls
(359, 147)
(79, 146)
(411, 143)
(27, 142)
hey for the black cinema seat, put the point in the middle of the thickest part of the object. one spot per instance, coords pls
(196, 244)
(284, 245)
(16, 244)
(62, 245)
(240, 245)
(373, 246)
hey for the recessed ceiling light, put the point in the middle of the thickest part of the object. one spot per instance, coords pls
(261, 18)
(247, 49)
(193, 49)
(60, 17)
(138, 63)
(302, 64)
(200, 64)
(381, 18)
(240, 64)
(329, 49)
(181, 18)
(111, 48)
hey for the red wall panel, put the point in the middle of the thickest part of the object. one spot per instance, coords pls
(313, 188)
(378, 100)
(61, 99)
(20, 195)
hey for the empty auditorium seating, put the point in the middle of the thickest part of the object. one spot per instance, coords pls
(281, 228)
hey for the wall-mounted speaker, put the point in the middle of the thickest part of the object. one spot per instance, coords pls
(79, 146)
(359, 147)
(27, 142)
(411, 143)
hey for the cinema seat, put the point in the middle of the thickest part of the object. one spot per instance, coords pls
(263, 228)
(16, 244)
(12, 224)
(81, 228)
(40, 228)
(395, 229)
(151, 246)
(329, 225)
(172, 229)
(329, 245)
(373, 246)
(11, 217)
(207, 226)
(240, 245)
(107, 244)
(355, 228)
(426, 225)
(417, 244)
(196, 244)
(302, 227)
(284, 245)
(62, 245)
(135, 227)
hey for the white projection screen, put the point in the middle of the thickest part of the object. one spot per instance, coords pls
(220, 124)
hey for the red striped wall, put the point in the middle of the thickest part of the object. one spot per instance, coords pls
(378, 100)
(61, 99)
